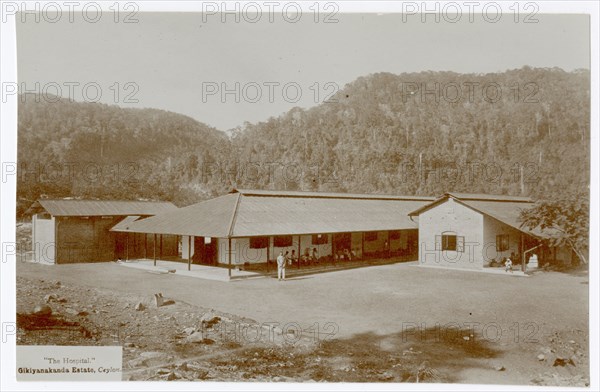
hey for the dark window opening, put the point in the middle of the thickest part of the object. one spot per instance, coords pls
(371, 236)
(282, 241)
(502, 242)
(448, 242)
(259, 242)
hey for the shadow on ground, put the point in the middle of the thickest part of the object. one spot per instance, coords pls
(47, 323)
(430, 355)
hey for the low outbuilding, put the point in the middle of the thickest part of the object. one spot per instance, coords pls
(76, 231)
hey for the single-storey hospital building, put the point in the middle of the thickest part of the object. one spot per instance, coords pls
(247, 227)
(253, 226)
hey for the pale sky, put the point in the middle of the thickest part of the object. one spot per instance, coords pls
(171, 56)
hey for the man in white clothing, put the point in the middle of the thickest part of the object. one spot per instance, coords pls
(280, 266)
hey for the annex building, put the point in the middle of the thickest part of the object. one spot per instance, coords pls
(470, 231)
(75, 231)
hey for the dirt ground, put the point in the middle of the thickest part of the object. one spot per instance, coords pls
(395, 323)
(177, 341)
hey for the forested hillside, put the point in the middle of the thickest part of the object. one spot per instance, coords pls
(377, 135)
(90, 150)
(523, 131)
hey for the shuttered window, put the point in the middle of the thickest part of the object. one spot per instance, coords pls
(450, 242)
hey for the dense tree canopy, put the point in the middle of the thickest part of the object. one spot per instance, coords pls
(566, 221)
(520, 132)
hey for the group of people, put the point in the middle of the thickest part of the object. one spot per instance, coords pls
(345, 255)
(309, 257)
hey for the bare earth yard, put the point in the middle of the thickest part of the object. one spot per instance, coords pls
(389, 323)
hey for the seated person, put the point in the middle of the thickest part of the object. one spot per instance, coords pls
(315, 256)
(347, 255)
(306, 253)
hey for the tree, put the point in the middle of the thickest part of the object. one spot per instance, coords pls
(565, 220)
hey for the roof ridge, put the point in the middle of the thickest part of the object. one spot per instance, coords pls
(328, 195)
(486, 197)
(234, 215)
(109, 200)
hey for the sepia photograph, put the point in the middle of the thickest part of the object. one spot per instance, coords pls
(308, 195)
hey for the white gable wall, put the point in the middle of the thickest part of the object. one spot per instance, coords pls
(450, 216)
(42, 239)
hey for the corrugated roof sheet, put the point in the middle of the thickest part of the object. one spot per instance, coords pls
(125, 222)
(211, 218)
(73, 207)
(505, 211)
(246, 213)
(259, 215)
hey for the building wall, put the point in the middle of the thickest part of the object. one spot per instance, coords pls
(89, 239)
(274, 250)
(451, 216)
(42, 238)
(399, 243)
(85, 239)
(323, 250)
(377, 245)
(141, 245)
(492, 228)
(407, 245)
(184, 246)
(242, 253)
(357, 243)
(170, 245)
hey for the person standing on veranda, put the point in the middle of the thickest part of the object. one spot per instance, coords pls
(281, 266)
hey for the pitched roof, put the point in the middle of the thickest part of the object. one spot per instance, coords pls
(506, 212)
(471, 197)
(74, 207)
(211, 218)
(125, 222)
(247, 213)
(505, 209)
